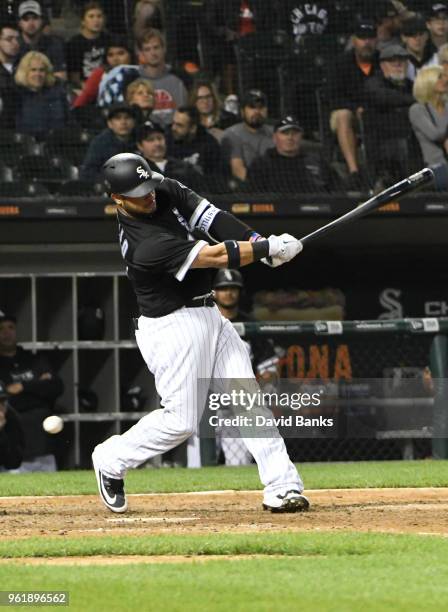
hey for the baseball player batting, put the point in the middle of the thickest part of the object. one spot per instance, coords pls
(180, 333)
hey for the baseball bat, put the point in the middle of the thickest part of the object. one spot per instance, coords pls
(437, 174)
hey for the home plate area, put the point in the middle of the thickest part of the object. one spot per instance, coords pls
(405, 510)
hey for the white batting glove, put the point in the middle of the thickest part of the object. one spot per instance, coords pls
(282, 249)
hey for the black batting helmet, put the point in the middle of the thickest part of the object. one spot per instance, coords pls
(228, 278)
(128, 174)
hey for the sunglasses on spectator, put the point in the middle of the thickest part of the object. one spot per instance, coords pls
(207, 97)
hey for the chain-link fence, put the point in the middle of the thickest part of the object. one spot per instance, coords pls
(249, 96)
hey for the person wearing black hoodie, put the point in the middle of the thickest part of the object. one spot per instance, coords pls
(11, 434)
(33, 388)
(286, 168)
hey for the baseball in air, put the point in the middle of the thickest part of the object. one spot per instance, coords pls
(53, 424)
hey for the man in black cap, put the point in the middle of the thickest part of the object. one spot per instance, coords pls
(388, 130)
(287, 168)
(118, 137)
(437, 24)
(347, 77)
(32, 387)
(11, 434)
(415, 37)
(151, 143)
(245, 141)
(31, 21)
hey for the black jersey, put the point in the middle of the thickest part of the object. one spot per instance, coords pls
(159, 249)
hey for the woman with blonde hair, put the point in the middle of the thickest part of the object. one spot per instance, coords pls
(141, 95)
(429, 115)
(42, 98)
(213, 117)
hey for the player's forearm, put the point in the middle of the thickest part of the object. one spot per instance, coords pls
(217, 256)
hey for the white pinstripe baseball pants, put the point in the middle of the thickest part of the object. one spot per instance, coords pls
(180, 348)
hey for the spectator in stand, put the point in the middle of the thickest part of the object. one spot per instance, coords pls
(118, 137)
(86, 51)
(226, 23)
(389, 16)
(151, 143)
(189, 141)
(437, 24)
(42, 100)
(141, 95)
(147, 14)
(416, 41)
(12, 440)
(386, 117)
(118, 53)
(429, 115)
(9, 52)
(204, 97)
(33, 37)
(287, 168)
(33, 388)
(170, 90)
(252, 137)
(346, 82)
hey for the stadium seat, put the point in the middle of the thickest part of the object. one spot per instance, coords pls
(70, 142)
(51, 171)
(6, 174)
(14, 145)
(22, 189)
(81, 188)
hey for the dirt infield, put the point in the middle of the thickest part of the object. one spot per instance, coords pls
(423, 511)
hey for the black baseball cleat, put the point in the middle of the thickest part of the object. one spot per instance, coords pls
(291, 501)
(111, 491)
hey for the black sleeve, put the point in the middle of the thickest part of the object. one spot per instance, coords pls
(383, 97)
(48, 390)
(168, 253)
(204, 217)
(73, 55)
(11, 441)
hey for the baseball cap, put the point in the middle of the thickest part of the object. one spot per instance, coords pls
(4, 316)
(254, 97)
(288, 123)
(437, 10)
(413, 25)
(30, 6)
(228, 278)
(393, 51)
(365, 28)
(148, 128)
(120, 108)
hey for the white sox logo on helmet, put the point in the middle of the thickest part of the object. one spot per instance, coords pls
(142, 173)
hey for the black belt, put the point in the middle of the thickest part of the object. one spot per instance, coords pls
(196, 302)
(200, 301)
